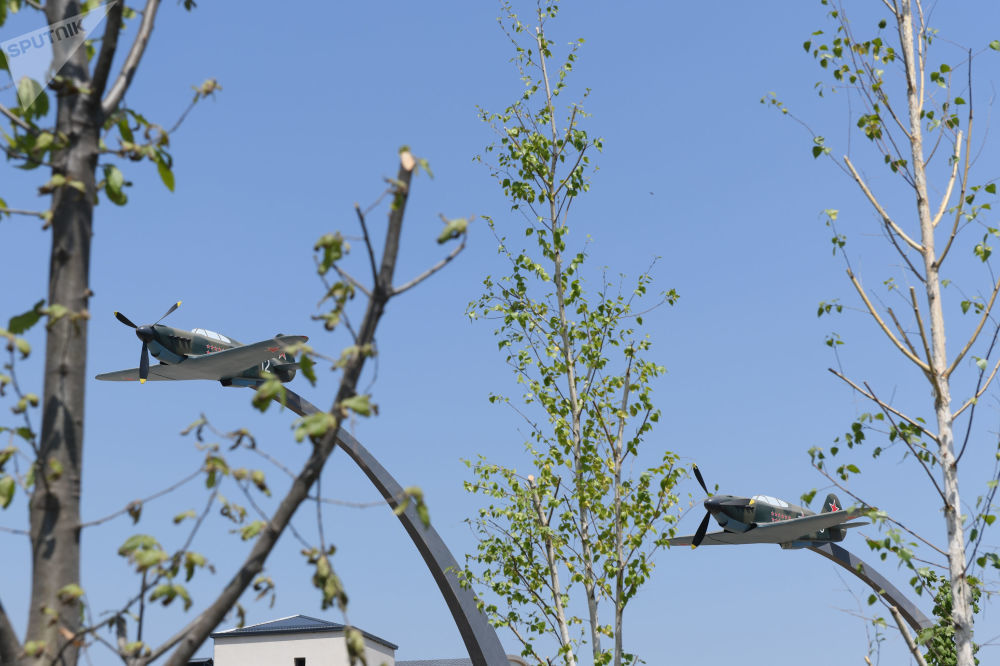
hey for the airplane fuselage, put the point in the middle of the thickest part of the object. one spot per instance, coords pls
(172, 346)
(741, 514)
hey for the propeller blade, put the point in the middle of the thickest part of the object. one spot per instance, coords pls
(144, 364)
(701, 479)
(172, 308)
(125, 320)
(700, 534)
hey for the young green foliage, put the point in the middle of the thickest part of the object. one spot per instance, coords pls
(915, 113)
(580, 530)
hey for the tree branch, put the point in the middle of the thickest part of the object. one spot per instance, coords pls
(121, 84)
(347, 276)
(109, 45)
(31, 213)
(975, 334)
(920, 325)
(430, 271)
(901, 623)
(885, 329)
(152, 497)
(951, 180)
(368, 241)
(979, 393)
(901, 526)
(195, 633)
(883, 405)
(10, 646)
(878, 207)
(17, 121)
(902, 333)
(910, 446)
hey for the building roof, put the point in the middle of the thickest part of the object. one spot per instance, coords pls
(465, 661)
(295, 624)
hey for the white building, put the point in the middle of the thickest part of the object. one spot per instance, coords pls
(300, 640)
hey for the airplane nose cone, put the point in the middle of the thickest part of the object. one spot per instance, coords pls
(145, 333)
(713, 505)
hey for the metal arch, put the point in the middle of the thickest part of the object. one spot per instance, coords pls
(849, 561)
(479, 635)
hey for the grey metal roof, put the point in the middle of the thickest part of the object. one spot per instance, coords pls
(464, 661)
(295, 624)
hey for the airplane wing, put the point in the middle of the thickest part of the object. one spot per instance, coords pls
(217, 365)
(156, 373)
(783, 531)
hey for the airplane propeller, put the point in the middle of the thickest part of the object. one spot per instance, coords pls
(144, 333)
(703, 528)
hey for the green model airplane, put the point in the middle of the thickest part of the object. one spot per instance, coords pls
(765, 519)
(203, 354)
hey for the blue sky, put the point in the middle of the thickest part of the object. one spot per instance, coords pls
(695, 171)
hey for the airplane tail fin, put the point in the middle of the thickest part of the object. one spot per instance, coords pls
(832, 504)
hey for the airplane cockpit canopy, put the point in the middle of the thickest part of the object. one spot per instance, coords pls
(212, 335)
(767, 499)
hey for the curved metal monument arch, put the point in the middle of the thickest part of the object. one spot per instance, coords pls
(848, 560)
(480, 638)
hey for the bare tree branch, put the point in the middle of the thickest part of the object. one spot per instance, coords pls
(154, 496)
(951, 179)
(885, 329)
(979, 393)
(121, 84)
(430, 271)
(920, 325)
(975, 334)
(883, 405)
(901, 623)
(878, 207)
(109, 45)
(30, 213)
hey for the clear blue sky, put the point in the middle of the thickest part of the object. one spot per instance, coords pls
(315, 102)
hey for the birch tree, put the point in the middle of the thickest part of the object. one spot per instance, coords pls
(915, 108)
(564, 546)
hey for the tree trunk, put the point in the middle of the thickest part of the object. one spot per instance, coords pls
(961, 603)
(54, 509)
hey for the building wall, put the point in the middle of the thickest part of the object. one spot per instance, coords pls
(320, 649)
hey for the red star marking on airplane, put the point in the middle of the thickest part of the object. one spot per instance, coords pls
(834, 507)
(273, 349)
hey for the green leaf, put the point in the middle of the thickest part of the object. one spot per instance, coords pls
(23, 322)
(113, 183)
(253, 529)
(137, 542)
(359, 404)
(145, 559)
(995, 45)
(7, 487)
(981, 363)
(30, 92)
(166, 175)
(453, 229)
(314, 425)
(180, 517)
(308, 369)
(69, 593)
(991, 188)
